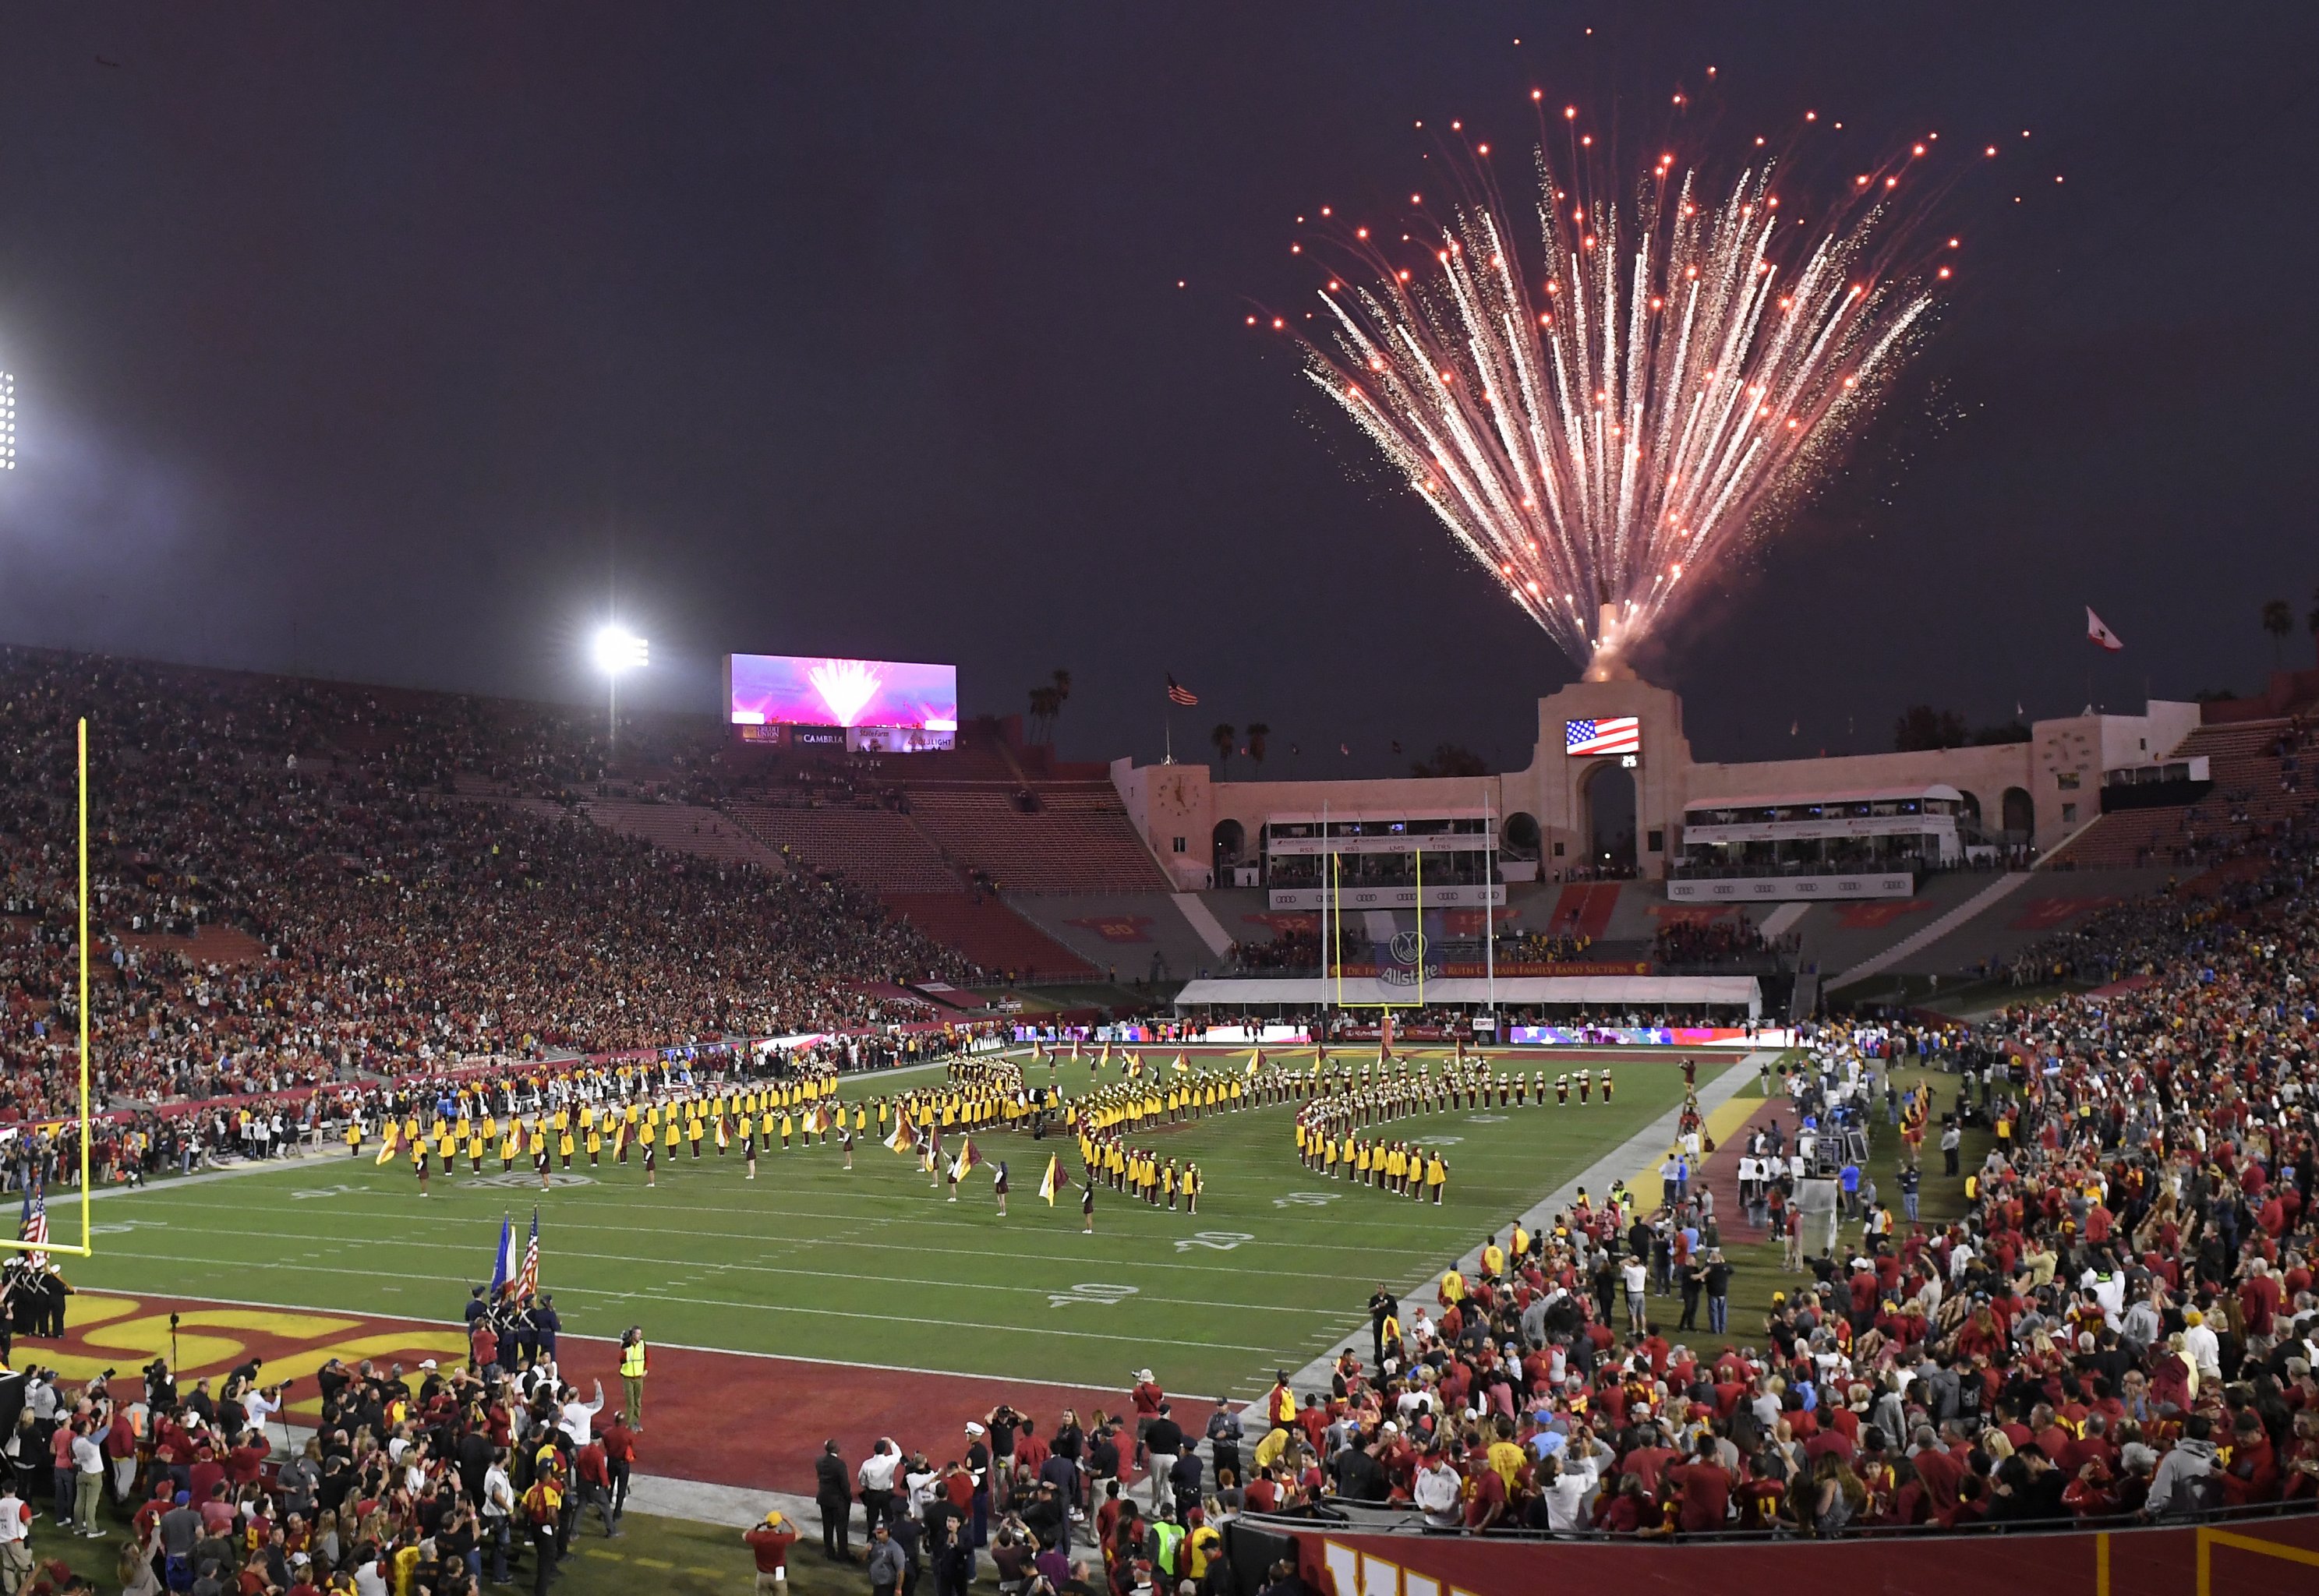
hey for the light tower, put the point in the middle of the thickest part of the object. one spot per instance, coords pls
(7, 420)
(616, 649)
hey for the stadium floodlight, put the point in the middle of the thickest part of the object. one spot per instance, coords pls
(616, 649)
(8, 421)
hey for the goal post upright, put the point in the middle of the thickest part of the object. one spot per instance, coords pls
(83, 762)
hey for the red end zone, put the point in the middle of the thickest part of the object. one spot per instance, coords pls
(728, 1418)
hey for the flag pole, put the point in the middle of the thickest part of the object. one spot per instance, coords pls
(1490, 907)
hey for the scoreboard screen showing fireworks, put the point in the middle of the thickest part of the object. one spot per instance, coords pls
(1620, 734)
(865, 706)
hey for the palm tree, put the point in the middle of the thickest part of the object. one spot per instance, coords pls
(2279, 620)
(1257, 732)
(1044, 707)
(1222, 736)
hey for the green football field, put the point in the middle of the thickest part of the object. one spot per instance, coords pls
(873, 1265)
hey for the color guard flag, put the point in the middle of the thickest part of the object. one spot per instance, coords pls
(1053, 1180)
(503, 1260)
(903, 1139)
(968, 1157)
(1180, 1066)
(33, 1227)
(526, 1280)
(386, 1148)
(1256, 1061)
(619, 1136)
(2099, 635)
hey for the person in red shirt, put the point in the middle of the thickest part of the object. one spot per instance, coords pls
(592, 1470)
(619, 1457)
(1487, 1506)
(1146, 1396)
(771, 1542)
(1703, 1488)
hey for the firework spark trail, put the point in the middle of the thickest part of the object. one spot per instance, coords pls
(1681, 375)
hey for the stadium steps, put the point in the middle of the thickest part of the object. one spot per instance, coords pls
(2250, 797)
(685, 828)
(990, 935)
(1988, 898)
(876, 849)
(1079, 840)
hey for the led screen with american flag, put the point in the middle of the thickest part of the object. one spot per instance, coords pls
(1620, 734)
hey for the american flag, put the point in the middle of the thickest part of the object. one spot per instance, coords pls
(1620, 734)
(526, 1279)
(1178, 693)
(33, 1228)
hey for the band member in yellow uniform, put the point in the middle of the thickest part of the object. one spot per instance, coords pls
(593, 1124)
(478, 1136)
(1436, 1176)
(1167, 1184)
(1192, 1184)
(564, 1141)
(669, 1143)
(447, 1144)
(354, 1135)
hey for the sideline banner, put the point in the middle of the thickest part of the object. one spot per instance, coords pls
(2249, 1554)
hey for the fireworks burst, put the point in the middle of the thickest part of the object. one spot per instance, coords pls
(1600, 432)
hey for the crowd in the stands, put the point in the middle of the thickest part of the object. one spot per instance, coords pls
(2118, 1326)
(374, 917)
(1724, 939)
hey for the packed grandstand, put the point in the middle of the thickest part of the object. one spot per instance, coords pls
(2074, 1286)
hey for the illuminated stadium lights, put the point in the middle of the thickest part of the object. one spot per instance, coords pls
(618, 649)
(8, 421)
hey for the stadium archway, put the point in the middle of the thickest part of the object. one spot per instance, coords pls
(2020, 813)
(1520, 837)
(1609, 795)
(1972, 807)
(1227, 840)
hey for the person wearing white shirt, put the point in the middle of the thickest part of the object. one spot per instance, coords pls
(1565, 1480)
(88, 1483)
(1436, 1492)
(577, 1416)
(876, 1478)
(15, 1539)
(498, 1508)
(2202, 1347)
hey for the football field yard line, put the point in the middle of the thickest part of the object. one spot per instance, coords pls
(564, 1223)
(910, 1280)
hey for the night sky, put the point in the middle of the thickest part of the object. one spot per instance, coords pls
(393, 342)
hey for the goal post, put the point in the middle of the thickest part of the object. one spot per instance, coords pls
(17, 1242)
